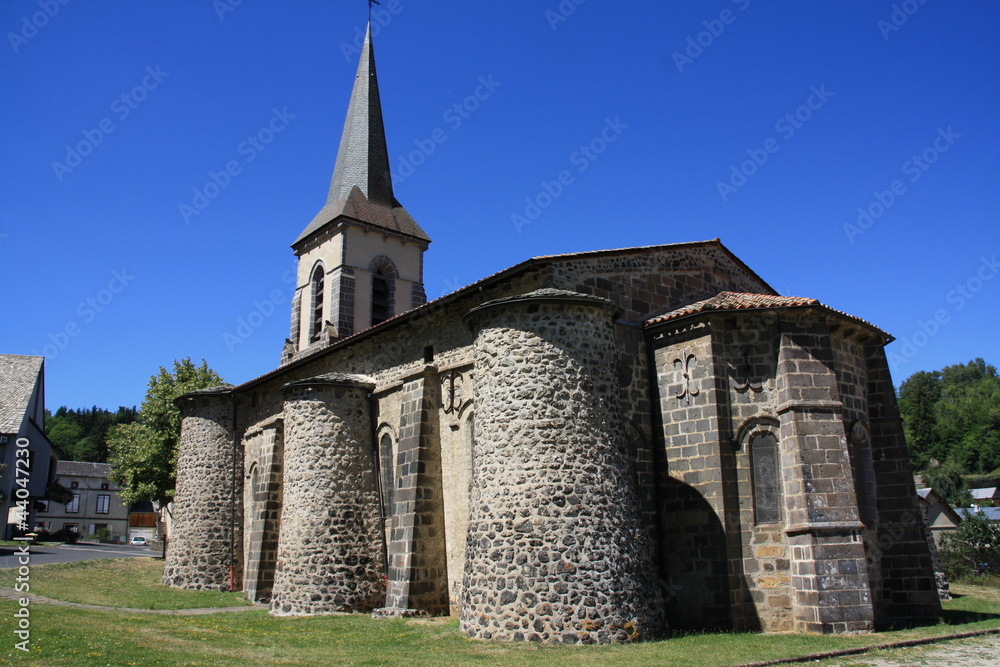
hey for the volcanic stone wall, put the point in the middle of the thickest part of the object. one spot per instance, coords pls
(555, 549)
(200, 552)
(330, 550)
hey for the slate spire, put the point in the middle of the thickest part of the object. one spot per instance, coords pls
(361, 188)
(363, 158)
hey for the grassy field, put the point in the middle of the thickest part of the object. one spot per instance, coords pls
(72, 636)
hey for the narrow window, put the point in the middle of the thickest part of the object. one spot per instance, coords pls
(316, 321)
(383, 289)
(74, 505)
(864, 473)
(766, 478)
(103, 503)
(380, 297)
(385, 462)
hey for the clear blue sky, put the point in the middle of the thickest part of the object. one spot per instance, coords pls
(97, 244)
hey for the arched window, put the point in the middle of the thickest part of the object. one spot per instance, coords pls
(387, 471)
(766, 477)
(316, 312)
(383, 289)
(758, 437)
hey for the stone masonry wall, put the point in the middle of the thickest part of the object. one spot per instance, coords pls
(555, 548)
(262, 493)
(330, 551)
(200, 551)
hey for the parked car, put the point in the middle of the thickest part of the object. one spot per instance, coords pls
(138, 541)
(988, 568)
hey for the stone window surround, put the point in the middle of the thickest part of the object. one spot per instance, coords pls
(317, 286)
(746, 433)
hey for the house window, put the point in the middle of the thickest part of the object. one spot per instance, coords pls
(104, 486)
(74, 505)
(766, 477)
(103, 503)
(316, 318)
(74, 485)
(43, 506)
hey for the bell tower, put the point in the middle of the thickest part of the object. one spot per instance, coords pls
(360, 260)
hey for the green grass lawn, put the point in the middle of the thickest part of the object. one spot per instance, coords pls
(125, 582)
(73, 636)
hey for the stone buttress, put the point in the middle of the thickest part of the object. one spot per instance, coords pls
(555, 550)
(330, 548)
(200, 553)
(829, 567)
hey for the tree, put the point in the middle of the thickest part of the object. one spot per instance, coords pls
(918, 396)
(143, 455)
(946, 478)
(953, 414)
(974, 542)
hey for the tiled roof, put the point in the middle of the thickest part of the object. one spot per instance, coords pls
(728, 301)
(733, 301)
(18, 375)
(83, 469)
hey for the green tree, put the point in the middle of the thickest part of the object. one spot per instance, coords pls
(918, 397)
(946, 478)
(975, 541)
(143, 454)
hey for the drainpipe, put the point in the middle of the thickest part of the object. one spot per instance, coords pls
(232, 507)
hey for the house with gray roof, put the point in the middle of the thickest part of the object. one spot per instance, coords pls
(94, 507)
(28, 458)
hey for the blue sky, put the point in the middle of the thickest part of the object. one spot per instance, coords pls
(768, 124)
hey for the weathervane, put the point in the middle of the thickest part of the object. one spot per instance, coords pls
(370, 3)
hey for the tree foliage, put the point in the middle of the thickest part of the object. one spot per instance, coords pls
(953, 414)
(974, 543)
(81, 435)
(143, 455)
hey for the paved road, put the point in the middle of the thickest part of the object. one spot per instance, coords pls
(66, 553)
(978, 652)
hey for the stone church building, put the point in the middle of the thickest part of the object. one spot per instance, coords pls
(590, 447)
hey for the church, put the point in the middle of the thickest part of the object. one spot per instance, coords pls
(584, 448)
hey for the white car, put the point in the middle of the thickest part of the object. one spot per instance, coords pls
(138, 541)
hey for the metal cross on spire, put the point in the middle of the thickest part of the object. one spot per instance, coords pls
(370, 3)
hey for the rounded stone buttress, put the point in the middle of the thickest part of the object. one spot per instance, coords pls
(200, 550)
(555, 552)
(330, 546)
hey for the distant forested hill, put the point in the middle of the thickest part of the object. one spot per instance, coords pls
(81, 435)
(953, 416)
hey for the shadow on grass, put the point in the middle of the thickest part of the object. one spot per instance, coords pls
(960, 616)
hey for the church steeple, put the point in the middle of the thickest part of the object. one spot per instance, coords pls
(361, 257)
(363, 163)
(363, 158)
